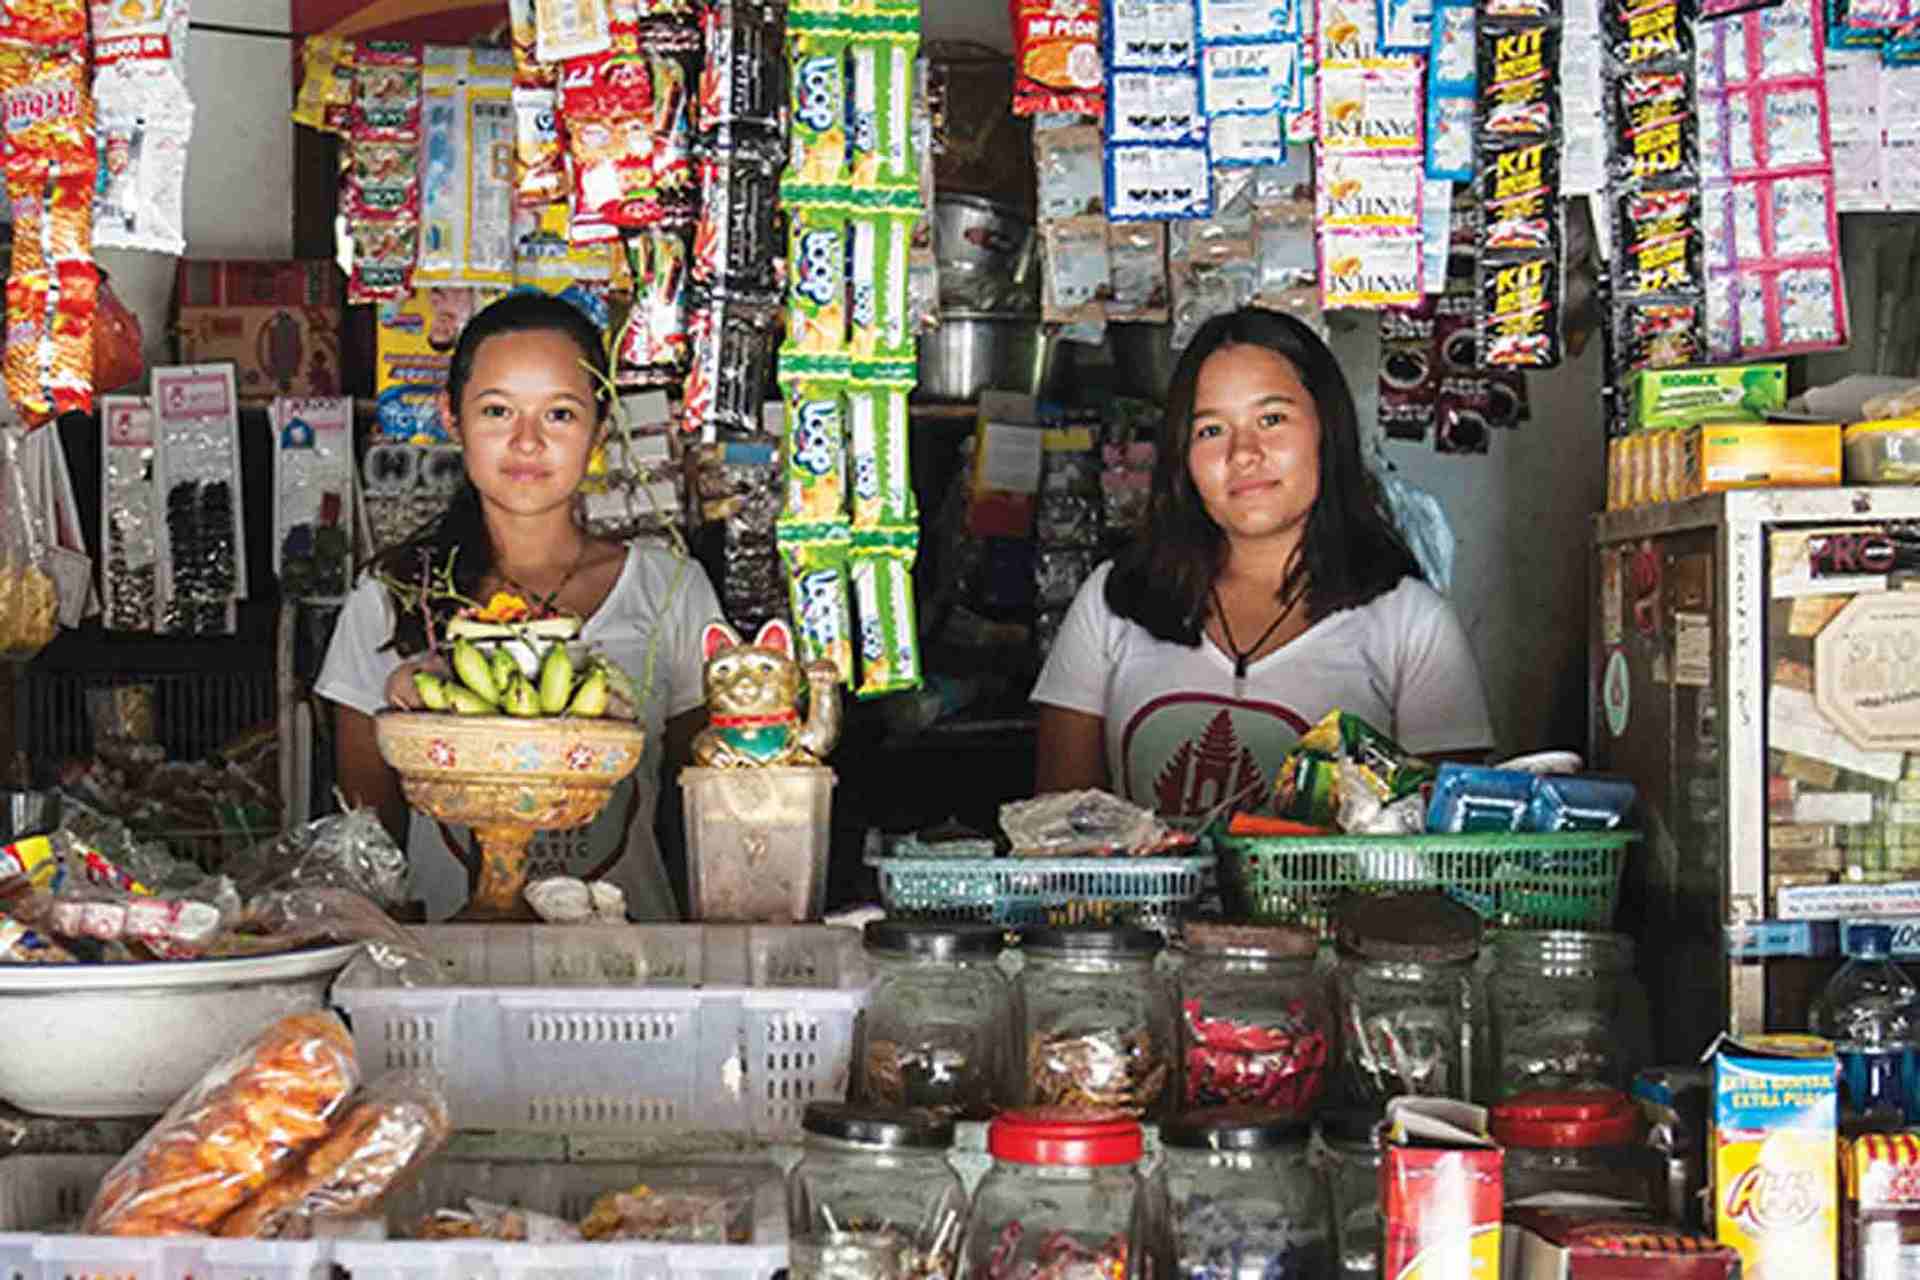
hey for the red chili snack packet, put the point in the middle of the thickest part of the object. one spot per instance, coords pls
(44, 22)
(1056, 61)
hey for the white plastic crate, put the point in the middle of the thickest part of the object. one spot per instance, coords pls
(566, 1191)
(622, 1030)
(40, 1194)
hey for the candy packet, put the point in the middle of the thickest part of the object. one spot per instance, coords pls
(744, 69)
(325, 97)
(734, 241)
(732, 345)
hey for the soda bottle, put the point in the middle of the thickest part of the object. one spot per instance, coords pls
(1871, 1012)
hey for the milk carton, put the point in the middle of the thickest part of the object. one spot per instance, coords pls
(1774, 1153)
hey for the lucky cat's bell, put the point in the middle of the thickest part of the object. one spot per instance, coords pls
(753, 697)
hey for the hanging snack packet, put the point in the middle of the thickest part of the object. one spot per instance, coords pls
(741, 77)
(878, 316)
(816, 561)
(1642, 33)
(1077, 280)
(816, 450)
(566, 29)
(1451, 91)
(653, 343)
(885, 162)
(529, 72)
(1519, 197)
(1658, 237)
(877, 443)
(881, 564)
(734, 239)
(1659, 333)
(1067, 162)
(1137, 267)
(1150, 35)
(817, 137)
(145, 124)
(539, 158)
(732, 346)
(816, 280)
(325, 100)
(1056, 56)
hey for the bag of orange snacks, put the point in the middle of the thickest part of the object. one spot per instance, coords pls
(1056, 60)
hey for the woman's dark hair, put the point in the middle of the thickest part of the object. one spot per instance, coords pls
(460, 532)
(1350, 552)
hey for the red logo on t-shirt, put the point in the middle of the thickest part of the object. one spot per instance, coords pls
(1190, 753)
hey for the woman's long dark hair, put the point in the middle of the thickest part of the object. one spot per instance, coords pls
(1350, 553)
(460, 532)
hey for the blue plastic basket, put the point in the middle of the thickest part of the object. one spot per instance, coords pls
(1029, 891)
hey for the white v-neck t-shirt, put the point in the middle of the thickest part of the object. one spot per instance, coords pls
(656, 594)
(1178, 738)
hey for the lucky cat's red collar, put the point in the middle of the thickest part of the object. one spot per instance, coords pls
(789, 716)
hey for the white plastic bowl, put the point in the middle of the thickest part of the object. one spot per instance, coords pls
(126, 1040)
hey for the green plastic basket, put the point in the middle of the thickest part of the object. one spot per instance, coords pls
(1031, 891)
(1520, 881)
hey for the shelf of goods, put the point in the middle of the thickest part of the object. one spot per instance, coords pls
(1715, 684)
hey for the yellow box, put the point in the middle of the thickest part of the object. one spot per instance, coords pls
(1774, 1155)
(1616, 487)
(1764, 455)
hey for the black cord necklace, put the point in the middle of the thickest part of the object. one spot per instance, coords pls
(1241, 657)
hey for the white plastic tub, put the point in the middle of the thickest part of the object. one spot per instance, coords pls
(42, 1194)
(622, 1030)
(757, 842)
(566, 1191)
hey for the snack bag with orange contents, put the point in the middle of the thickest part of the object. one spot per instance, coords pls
(817, 280)
(1056, 59)
(817, 137)
(49, 22)
(325, 99)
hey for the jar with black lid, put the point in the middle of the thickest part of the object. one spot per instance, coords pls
(1256, 1025)
(1243, 1200)
(938, 1027)
(1098, 1019)
(1411, 1009)
(877, 1179)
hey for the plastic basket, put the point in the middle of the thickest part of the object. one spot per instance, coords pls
(41, 1194)
(1025, 891)
(567, 1191)
(1564, 880)
(622, 1030)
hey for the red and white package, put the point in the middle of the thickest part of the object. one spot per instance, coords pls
(628, 136)
(382, 194)
(1056, 56)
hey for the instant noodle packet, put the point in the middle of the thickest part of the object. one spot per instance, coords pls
(881, 566)
(1056, 58)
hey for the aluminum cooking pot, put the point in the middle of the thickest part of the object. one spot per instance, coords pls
(975, 351)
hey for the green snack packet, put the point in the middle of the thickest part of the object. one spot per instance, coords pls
(816, 281)
(816, 438)
(1393, 772)
(884, 160)
(1307, 788)
(817, 111)
(877, 437)
(881, 263)
(882, 567)
(815, 556)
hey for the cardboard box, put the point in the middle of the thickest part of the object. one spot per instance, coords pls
(1575, 1244)
(1773, 1158)
(1882, 1173)
(278, 323)
(1440, 1191)
(1688, 397)
(1762, 455)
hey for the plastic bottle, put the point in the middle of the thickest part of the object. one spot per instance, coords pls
(1871, 1012)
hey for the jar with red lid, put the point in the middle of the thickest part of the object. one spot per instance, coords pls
(1064, 1198)
(1584, 1142)
(1256, 1024)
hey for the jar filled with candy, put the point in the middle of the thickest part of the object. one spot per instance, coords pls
(1098, 1020)
(1411, 1009)
(1063, 1200)
(1350, 1158)
(1567, 1012)
(1585, 1142)
(938, 1029)
(876, 1180)
(1256, 1023)
(1242, 1197)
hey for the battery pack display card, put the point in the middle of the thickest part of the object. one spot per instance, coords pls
(1151, 35)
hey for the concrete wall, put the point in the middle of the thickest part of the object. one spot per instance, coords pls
(239, 201)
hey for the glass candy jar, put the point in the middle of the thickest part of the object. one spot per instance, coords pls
(1098, 1020)
(938, 1028)
(1243, 1200)
(1256, 1026)
(1406, 995)
(1566, 1010)
(877, 1179)
(1062, 1201)
(1580, 1143)
(1351, 1156)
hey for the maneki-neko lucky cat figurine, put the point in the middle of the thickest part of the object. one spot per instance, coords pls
(753, 692)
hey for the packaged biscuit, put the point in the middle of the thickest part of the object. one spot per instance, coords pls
(881, 568)
(879, 325)
(815, 556)
(817, 240)
(884, 160)
(817, 112)
(878, 445)
(816, 446)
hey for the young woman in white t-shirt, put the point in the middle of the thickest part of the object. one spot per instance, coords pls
(1268, 588)
(526, 398)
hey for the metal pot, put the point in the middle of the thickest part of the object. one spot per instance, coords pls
(973, 234)
(1143, 360)
(975, 351)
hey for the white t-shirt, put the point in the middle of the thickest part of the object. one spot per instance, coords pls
(1180, 741)
(655, 594)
